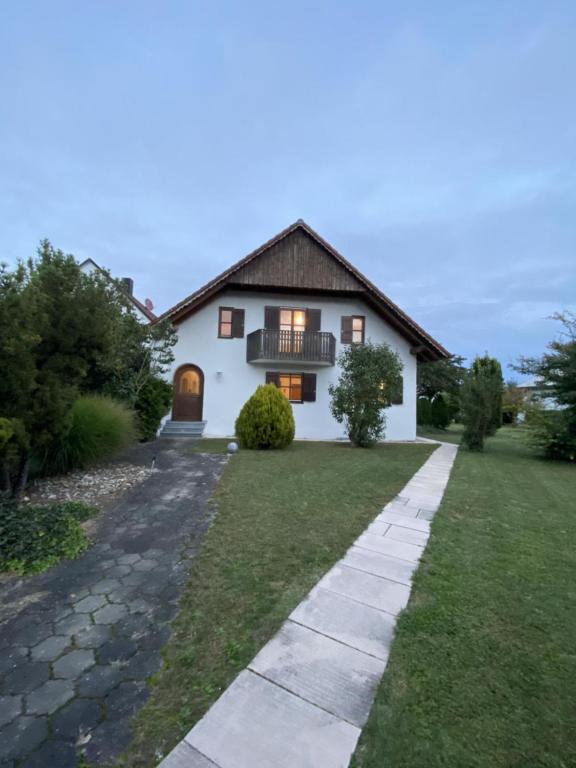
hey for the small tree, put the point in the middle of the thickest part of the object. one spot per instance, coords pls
(512, 402)
(370, 381)
(439, 412)
(481, 402)
(423, 412)
(442, 376)
(266, 420)
(555, 430)
(493, 370)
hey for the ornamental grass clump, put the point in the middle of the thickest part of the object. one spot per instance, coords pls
(99, 427)
(266, 420)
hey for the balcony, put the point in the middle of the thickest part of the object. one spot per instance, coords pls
(312, 347)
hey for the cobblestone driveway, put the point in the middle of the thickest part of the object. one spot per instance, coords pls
(78, 643)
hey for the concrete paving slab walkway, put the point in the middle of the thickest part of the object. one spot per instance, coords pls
(304, 699)
(78, 642)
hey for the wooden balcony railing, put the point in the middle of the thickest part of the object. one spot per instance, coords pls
(291, 346)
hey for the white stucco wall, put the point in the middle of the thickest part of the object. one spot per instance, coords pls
(229, 380)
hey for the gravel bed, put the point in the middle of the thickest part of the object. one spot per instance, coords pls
(94, 486)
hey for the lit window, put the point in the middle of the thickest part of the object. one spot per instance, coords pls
(225, 323)
(292, 319)
(190, 383)
(357, 330)
(291, 386)
(292, 325)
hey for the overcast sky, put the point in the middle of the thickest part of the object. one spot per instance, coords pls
(432, 143)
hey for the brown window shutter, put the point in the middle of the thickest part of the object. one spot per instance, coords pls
(398, 394)
(346, 330)
(272, 318)
(312, 319)
(238, 323)
(272, 377)
(308, 387)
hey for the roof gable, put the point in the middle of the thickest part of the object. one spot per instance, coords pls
(299, 259)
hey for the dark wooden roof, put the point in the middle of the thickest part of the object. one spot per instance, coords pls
(299, 260)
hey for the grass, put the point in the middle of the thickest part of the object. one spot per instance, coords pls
(284, 518)
(451, 435)
(483, 669)
(212, 445)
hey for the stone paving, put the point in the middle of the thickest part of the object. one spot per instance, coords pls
(302, 702)
(78, 642)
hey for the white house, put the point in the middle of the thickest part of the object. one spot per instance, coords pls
(282, 314)
(144, 311)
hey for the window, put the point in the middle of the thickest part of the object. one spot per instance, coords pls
(289, 319)
(230, 323)
(225, 324)
(291, 385)
(357, 330)
(298, 387)
(292, 319)
(353, 329)
(189, 383)
(396, 397)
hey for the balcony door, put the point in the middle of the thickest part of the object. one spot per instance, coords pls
(292, 326)
(188, 394)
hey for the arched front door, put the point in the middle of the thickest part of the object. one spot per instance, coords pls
(188, 393)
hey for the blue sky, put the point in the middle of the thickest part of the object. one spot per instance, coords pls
(433, 144)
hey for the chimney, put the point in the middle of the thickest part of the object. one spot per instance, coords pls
(128, 284)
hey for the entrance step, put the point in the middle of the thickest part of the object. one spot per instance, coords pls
(183, 429)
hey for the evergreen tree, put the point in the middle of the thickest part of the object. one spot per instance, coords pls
(493, 374)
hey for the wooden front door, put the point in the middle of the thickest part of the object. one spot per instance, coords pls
(188, 394)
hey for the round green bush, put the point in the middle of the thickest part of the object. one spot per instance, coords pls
(266, 420)
(100, 426)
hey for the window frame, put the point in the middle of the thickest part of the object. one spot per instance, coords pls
(236, 323)
(347, 329)
(300, 386)
(230, 323)
(308, 384)
(354, 330)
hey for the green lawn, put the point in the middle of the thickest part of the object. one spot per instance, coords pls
(483, 669)
(212, 445)
(285, 517)
(451, 435)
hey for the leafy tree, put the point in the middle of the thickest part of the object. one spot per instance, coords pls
(512, 402)
(555, 431)
(481, 402)
(64, 333)
(370, 379)
(442, 376)
(493, 370)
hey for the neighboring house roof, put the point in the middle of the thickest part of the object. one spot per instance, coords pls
(299, 259)
(138, 304)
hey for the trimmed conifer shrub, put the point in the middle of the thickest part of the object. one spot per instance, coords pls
(266, 420)
(423, 411)
(154, 401)
(440, 413)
